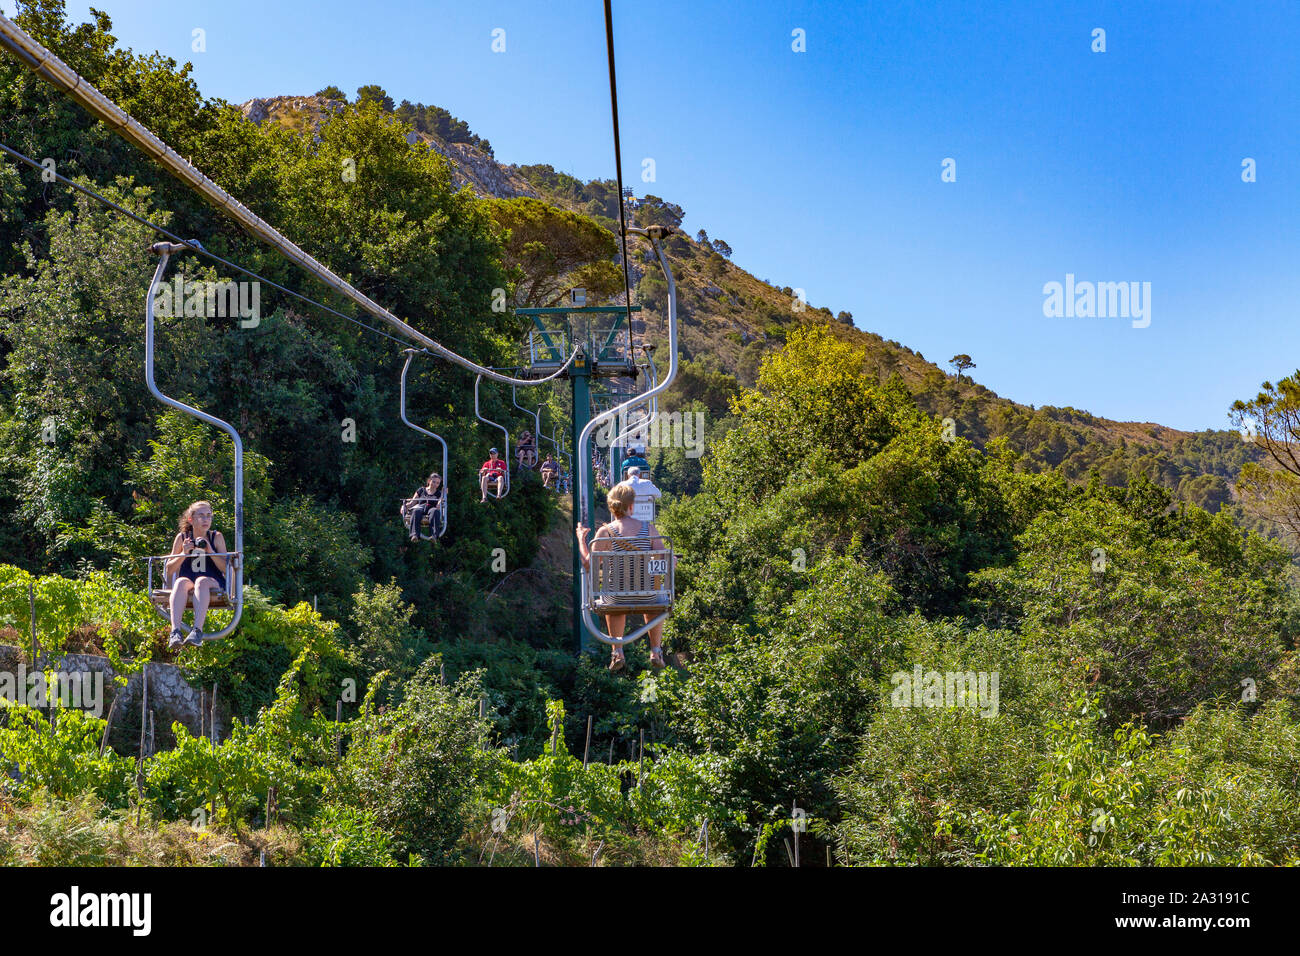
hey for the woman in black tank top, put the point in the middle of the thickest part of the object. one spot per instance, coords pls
(195, 569)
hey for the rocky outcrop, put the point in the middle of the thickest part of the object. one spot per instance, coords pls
(470, 166)
(255, 110)
(88, 682)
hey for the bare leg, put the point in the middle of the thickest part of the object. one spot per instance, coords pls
(180, 597)
(203, 589)
(483, 486)
(614, 624)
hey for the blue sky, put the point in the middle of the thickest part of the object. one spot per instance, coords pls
(822, 169)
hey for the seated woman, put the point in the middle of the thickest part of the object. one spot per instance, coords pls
(624, 533)
(527, 454)
(425, 503)
(197, 571)
(550, 470)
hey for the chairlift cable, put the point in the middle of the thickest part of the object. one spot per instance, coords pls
(15, 40)
(618, 164)
(191, 244)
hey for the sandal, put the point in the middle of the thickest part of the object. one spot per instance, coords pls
(617, 660)
(657, 658)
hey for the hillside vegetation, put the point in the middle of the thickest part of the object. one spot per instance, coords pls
(1021, 636)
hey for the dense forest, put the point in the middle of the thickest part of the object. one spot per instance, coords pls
(916, 624)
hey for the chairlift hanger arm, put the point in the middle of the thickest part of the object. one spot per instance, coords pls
(443, 499)
(504, 431)
(234, 571)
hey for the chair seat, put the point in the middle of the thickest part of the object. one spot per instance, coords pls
(652, 606)
(162, 597)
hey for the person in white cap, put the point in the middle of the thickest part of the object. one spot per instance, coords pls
(647, 495)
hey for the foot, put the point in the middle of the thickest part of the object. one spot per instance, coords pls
(657, 658)
(176, 640)
(412, 537)
(195, 637)
(616, 660)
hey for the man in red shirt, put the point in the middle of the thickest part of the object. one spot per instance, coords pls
(492, 473)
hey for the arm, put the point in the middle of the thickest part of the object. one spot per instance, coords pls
(596, 545)
(172, 565)
(583, 551)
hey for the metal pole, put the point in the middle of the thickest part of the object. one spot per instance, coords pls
(338, 734)
(582, 492)
(144, 706)
(794, 813)
(36, 647)
(586, 751)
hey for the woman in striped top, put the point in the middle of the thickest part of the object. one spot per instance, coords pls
(624, 533)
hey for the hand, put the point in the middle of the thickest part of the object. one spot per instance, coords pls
(582, 531)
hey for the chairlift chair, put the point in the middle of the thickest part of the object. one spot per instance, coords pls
(445, 499)
(232, 597)
(503, 483)
(629, 582)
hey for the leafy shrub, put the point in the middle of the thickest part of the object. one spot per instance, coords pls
(284, 750)
(345, 836)
(413, 766)
(64, 759)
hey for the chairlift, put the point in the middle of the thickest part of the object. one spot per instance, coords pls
(618, 581)
(444, 502)
(503, 483)
(537, 427)
(232, 597)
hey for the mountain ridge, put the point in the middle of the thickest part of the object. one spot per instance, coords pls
(734, 318)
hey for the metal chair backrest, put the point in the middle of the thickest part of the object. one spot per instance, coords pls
(631, 580)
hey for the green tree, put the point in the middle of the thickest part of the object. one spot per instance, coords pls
(373, 93)
(961, 363)
(551, 250)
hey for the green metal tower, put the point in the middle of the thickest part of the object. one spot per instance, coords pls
(604, 352)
